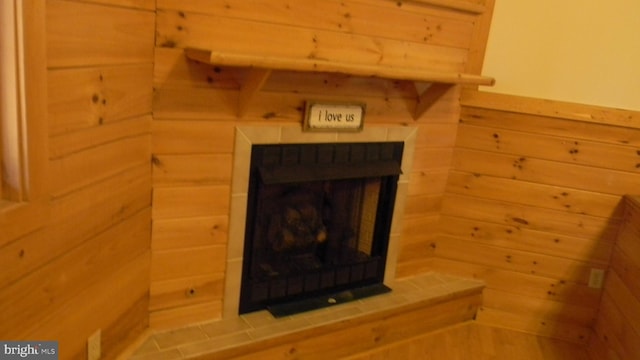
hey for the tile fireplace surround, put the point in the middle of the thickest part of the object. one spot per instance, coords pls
(246, 136)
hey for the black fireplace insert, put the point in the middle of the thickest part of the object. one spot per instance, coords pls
(318, 223)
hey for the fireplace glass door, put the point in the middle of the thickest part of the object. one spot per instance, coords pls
(318, 220)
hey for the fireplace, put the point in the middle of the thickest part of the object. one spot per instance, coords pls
(247, 136)
(318, 223)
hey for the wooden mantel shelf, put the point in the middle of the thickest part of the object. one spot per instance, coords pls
(262, 66)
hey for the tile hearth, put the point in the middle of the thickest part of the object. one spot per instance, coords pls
(211, 337)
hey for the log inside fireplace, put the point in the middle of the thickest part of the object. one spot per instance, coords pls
(318, 223)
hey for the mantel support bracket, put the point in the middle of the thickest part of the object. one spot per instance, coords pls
(429, 96)
(251, 86)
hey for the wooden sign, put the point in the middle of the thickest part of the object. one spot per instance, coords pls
(334, 116)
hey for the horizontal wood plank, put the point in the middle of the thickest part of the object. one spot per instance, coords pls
(526, 217)
(518, 238)
(190, 232)
(82, 98)
(462, 5)
(129, 194)
(423, 25)
(521, 284)
(185, 315)
(514, 260)
(218, 104)
(180, 263)
(271, 40)
(549, 125)
(423, 204)
(419, 227)
(428, 181)
(551, 108)
(192, 169)
(183, 137)
(166, 294)
(184, 202)
(69, 323)
(544, 327)
(535, 194)
(136, 4)
(56, 283)
(561, 149)
(77, 141)
(539, 308)
(546, 172)
(432, 158)
(126, 35)
(91, 165)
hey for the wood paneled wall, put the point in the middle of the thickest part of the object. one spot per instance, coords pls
(522, 193)
(532, 205)
(195, 108)
(88, 267)
(617, 329)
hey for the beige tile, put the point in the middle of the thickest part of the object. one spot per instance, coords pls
(241, 164)
(237, 222)
(231, 301)
(368, 134)
(294, 134)
(335, 313)
(177, 337)
(431, 280)
(447, 278)
(260, 318)
(382, 302)
(260, 134)
(223, 327)
(402, 133)
(216, 344)
(408, 135)
(430, 293)
(392, 258)
(147, 347)
(400, 287)
(398, 208)
(463, 285)
(280, 327)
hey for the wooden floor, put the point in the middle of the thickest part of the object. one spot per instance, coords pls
(473, 341)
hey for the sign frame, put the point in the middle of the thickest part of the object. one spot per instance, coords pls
(338, 116)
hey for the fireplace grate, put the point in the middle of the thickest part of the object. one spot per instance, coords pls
(319, 302)
(315, 281)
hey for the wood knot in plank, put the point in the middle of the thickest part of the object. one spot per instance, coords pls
(520, 220)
